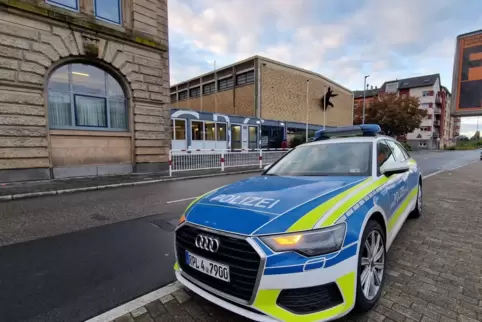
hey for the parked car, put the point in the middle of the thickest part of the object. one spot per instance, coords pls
(307, 239)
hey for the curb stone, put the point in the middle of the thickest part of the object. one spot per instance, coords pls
(116, 185)
(139, 306)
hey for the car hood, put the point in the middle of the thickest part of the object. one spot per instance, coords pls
(265, 204)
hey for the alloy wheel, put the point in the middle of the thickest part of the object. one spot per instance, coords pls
(372, 265)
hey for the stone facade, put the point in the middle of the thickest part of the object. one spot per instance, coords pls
(276, 92)
(37, 38)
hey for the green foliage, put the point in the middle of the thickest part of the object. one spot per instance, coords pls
(396, 115)
(406, 146)
(467, 144)
(297, 140)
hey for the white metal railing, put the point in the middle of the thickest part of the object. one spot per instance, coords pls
(189, 160)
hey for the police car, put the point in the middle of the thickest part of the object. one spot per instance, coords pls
(307, 239)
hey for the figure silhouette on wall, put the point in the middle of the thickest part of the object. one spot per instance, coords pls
(329, 94)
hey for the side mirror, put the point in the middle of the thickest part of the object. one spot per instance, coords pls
(266, 167)
(394, 168)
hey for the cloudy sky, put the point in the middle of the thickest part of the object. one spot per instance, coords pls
(341, 39)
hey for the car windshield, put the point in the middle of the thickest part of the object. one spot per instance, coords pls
(328, 159)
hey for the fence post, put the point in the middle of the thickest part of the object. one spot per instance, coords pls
(222, 161)
(170, 163)
(261, 159)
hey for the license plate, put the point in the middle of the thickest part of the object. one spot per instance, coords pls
(208, 267)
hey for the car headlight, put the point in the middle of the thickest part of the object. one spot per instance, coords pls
(309, 243)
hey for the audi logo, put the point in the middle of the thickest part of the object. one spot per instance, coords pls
(208, 243)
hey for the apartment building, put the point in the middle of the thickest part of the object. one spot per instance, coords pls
(456, 131)
(434, 132)
(274, 100)
(84, 88)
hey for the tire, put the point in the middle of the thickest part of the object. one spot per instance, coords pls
(366, 301)
(417, 212)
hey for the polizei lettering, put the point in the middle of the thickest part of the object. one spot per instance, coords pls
(257, 202)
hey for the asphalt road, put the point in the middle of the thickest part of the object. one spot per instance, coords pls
(71, 257)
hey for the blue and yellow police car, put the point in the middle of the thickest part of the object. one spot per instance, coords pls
(307, 239)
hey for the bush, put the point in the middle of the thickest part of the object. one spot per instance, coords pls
(297, 140)
(407, 146)
(451, 148)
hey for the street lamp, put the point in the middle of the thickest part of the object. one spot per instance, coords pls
(364, 96)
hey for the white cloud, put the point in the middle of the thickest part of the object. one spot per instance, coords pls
(341, 39)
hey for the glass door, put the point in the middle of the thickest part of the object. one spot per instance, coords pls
(235, 137)
(253, 137)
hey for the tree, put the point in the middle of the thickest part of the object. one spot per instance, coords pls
(476, 136)
(396, 115)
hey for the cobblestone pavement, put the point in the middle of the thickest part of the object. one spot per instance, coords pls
(434, 266)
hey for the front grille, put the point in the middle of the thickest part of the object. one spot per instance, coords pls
(310, 299)
(238, 254)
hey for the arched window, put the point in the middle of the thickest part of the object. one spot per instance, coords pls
(85, 97)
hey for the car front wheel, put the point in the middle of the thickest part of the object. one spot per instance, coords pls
(371, 267)
(417, 212)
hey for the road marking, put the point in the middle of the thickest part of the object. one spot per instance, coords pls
(462, 165)
(181, 200)
(432, 174)
(440, 171)
(137, 303)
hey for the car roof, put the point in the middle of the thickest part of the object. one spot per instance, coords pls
(350, 139)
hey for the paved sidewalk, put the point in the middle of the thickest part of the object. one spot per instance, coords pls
(434, 266)
(28, 189)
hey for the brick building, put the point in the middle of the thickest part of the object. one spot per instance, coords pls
(260, 90)
(84, 88)
(369, 95)
(439, 128)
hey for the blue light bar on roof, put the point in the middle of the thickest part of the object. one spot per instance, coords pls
(348, 131)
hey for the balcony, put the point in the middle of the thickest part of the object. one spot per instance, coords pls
(436, 123)
(438, 99)
(437, 111)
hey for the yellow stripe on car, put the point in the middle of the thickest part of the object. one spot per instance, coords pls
(403, 207)
(343, 208)
(266, 302)
(311, 218)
